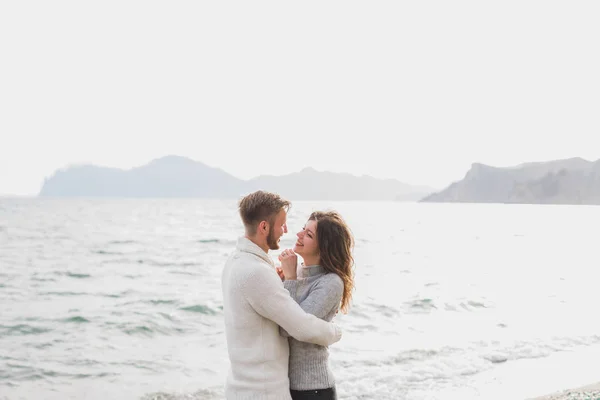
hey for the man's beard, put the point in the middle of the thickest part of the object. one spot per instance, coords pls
(271, 242)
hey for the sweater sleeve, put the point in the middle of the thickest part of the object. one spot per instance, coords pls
(292, 288)
(322, 299)
(265, 293)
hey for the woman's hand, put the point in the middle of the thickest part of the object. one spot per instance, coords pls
(289, 264)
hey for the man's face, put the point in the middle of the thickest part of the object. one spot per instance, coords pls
(277, 230)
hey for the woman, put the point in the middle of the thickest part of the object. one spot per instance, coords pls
(324, 285)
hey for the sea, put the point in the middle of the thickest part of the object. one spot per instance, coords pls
(121, 299)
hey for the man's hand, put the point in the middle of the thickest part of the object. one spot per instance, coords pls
(280, 273)
(289, 264)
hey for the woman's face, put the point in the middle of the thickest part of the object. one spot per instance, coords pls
(307, 244)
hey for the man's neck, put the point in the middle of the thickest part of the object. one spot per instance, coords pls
(262, 245)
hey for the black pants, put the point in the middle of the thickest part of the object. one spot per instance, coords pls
(320, 394)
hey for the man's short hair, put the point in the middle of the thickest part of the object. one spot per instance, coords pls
(261, 206)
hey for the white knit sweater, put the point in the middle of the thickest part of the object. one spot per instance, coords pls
(255, 304)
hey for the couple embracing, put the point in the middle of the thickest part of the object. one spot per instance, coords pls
(278, 319)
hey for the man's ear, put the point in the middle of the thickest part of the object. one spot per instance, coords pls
(263, 227)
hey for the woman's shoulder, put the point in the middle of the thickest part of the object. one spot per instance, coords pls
(332, 279)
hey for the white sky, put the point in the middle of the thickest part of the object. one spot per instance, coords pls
(410, 90)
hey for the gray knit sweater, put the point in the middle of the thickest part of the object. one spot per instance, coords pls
(318, 293)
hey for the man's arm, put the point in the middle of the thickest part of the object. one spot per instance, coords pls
(266, 295)
(322, 299)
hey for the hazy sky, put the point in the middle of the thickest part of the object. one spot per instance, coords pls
(410, 90)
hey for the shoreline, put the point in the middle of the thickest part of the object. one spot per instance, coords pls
(588, 392)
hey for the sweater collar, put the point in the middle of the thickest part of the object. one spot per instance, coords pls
(312, 270)
(248, 246)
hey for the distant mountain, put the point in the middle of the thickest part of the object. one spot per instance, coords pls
(570, 181)
(310, 184)
(170, 176)
(175, 176)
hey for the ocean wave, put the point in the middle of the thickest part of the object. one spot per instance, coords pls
(175, 264)
(469, 305)
(78, 276)
(19, 372)
(184, 273)
(474, 304)
(168, 317)
(108, 253)
(65, 293)
(133, 276)
(413, 368)
(199, 308)
(420, 305)
(138, 364)
(416, 366)
(83, 362)
(149, 328)
(139, 330)
(22, 329)
(524, 350)
(37, 278)
(119, 295)
(208, 241)
(122, 242)
(73, 274)
(155, 263)
(203, 394)
(360, 311)
(161, 301)
(77, 320)
(496, 358)
(412, 355)
(26, 373)
(123, 261)
(380, 309)
(90, 376)
(43, 345)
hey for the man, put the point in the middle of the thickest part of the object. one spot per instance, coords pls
(255, 304)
